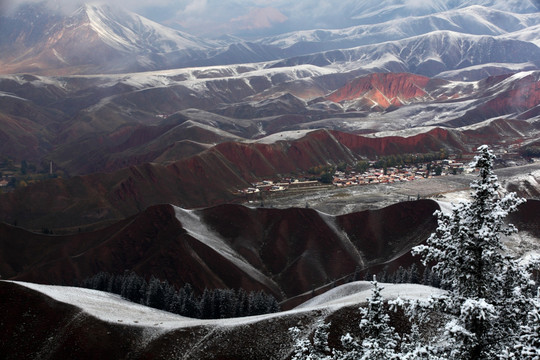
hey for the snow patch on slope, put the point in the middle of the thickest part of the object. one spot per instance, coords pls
(129, 32)
(195, 227)
(6, 94)
(283, 136)
(359, 291)
(112, 308)
(402, 133)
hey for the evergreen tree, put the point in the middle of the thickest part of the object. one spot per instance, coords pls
(378, 339)
(207, 305)
(190, 304)
(242, 304)
(484, 285)
(155, 294)
(316, 350)
(528, 347)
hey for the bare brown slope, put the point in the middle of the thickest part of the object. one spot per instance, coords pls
(432, 140)
(203, 180)
(295, 250)
(151, 243)
(301, 249)
(36, 326)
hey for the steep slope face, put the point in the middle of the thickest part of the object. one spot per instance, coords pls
(510, 95)
(301, 248)
(432, 140)
(283, 252)
(384, 90)
(152, 243)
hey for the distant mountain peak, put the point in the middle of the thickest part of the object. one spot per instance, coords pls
(95, 37)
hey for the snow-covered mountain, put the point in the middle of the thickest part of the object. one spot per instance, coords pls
(94, 38)
(395, 35)
(474, 20)
(429, 54)
(376, 11)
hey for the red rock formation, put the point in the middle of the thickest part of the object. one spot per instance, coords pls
(383, 89)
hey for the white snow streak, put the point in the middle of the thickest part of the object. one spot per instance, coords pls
(198, 230)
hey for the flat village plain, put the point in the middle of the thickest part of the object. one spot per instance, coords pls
(339, 200)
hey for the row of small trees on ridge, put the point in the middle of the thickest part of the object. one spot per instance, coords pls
(159, 294)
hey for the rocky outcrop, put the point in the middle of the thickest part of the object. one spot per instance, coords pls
(383, 90)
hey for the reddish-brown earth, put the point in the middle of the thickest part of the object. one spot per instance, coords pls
(295, 249)
(212, 176)
(383, 89)
(206, 179)
(432, 140)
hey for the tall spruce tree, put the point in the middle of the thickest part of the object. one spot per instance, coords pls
(486, 298)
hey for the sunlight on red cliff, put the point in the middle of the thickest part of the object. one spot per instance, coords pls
(384, 89)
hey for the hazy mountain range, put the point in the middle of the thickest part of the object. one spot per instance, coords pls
(102, 38)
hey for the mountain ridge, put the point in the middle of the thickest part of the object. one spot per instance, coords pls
(110, 32)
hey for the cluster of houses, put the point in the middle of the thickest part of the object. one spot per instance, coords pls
(371, 176)
(401, 174)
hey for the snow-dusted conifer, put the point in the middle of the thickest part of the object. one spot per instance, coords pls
(484, 284)
(379, 339)
(304, 349)
(528, 347)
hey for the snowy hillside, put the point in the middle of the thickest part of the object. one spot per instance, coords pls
(371, 11)
(112, 308)
(357, 292)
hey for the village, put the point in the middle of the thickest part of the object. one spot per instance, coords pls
(339, 178)
(15, 175)
(398, 174)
